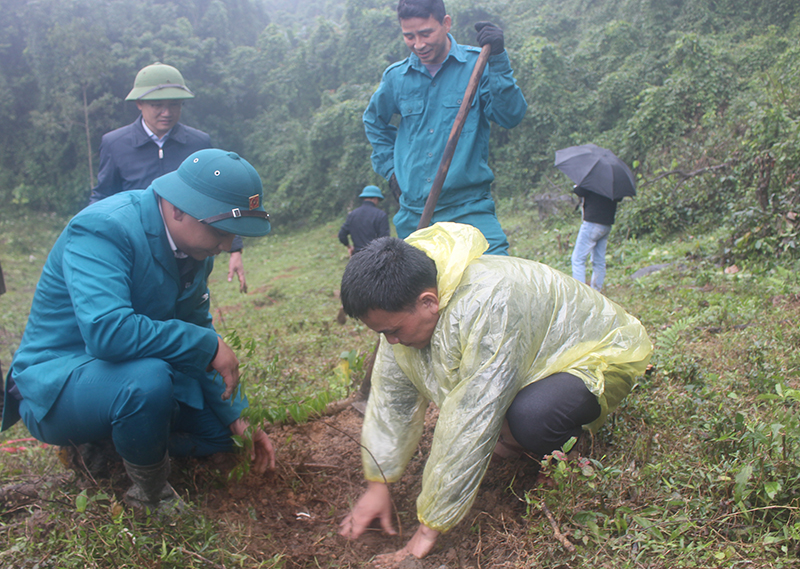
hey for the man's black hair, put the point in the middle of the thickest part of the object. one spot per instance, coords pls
(388, 274)
(421, 9)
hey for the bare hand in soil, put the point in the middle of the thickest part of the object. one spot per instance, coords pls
(398, 560)
(374, 503)
(418, 547)
(420, 544)
(262, 453)
(227, 364)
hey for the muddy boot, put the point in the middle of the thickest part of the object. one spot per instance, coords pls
(151, 490)
(97, 459)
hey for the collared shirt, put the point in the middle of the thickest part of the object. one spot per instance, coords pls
(130, 159)
(153, 136)
(428, 107)
(187, 266)
(433, 69)
(175, 251)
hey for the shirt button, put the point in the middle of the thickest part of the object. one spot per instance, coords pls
(459, 101)
(428, 180)
(430, 130)
(433, 84)
(430, 154)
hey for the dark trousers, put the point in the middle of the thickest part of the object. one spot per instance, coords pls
(547, 413)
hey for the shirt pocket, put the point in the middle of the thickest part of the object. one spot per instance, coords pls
(412, 111)
(451, 103)
(411, 107)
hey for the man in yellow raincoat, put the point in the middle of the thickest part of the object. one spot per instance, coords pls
(496, 343)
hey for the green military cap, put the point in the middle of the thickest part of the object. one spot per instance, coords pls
(159, 82)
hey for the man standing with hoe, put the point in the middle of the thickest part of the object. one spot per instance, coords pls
(155, 144)
(426, 90)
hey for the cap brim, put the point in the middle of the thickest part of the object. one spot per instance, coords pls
(168, 93)
(180, 194)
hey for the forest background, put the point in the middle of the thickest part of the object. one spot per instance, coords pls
(700, 97)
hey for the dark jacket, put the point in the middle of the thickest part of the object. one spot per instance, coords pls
(365, 223)
(129, 159)
(597, 208)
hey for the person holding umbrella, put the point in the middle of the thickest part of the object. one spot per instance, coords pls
(601, 181)
(598, 217)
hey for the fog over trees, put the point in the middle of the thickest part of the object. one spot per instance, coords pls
(699, 96)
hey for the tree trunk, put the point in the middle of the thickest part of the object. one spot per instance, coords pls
(88, 138)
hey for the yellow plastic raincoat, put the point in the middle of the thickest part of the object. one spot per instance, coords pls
(503, 323)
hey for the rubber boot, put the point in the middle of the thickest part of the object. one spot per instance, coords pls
(150, 488)
(97, 459)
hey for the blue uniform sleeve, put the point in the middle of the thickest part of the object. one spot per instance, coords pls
(380, 132)
(226, 411)
(501, 97)
(98, 263)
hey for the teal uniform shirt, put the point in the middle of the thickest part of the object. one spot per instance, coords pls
(427, 107)
(110, 290)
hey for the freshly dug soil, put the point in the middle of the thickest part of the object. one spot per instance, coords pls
(296, 509)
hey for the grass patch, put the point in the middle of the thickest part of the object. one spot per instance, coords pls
(703, 468)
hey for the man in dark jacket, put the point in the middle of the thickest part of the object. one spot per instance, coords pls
(365, 223)
(155, 144)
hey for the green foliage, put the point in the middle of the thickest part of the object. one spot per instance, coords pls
(698, 467)
(669, 86)
(103, 533)
(673, 359)
(277, 407)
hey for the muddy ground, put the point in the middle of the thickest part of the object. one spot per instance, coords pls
(296, 509)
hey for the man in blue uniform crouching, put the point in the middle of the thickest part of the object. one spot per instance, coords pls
(120, 343)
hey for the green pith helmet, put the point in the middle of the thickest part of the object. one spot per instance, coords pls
(371, 192)
(158, 82)
(218, 188)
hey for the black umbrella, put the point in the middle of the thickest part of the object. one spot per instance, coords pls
(597, 170)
